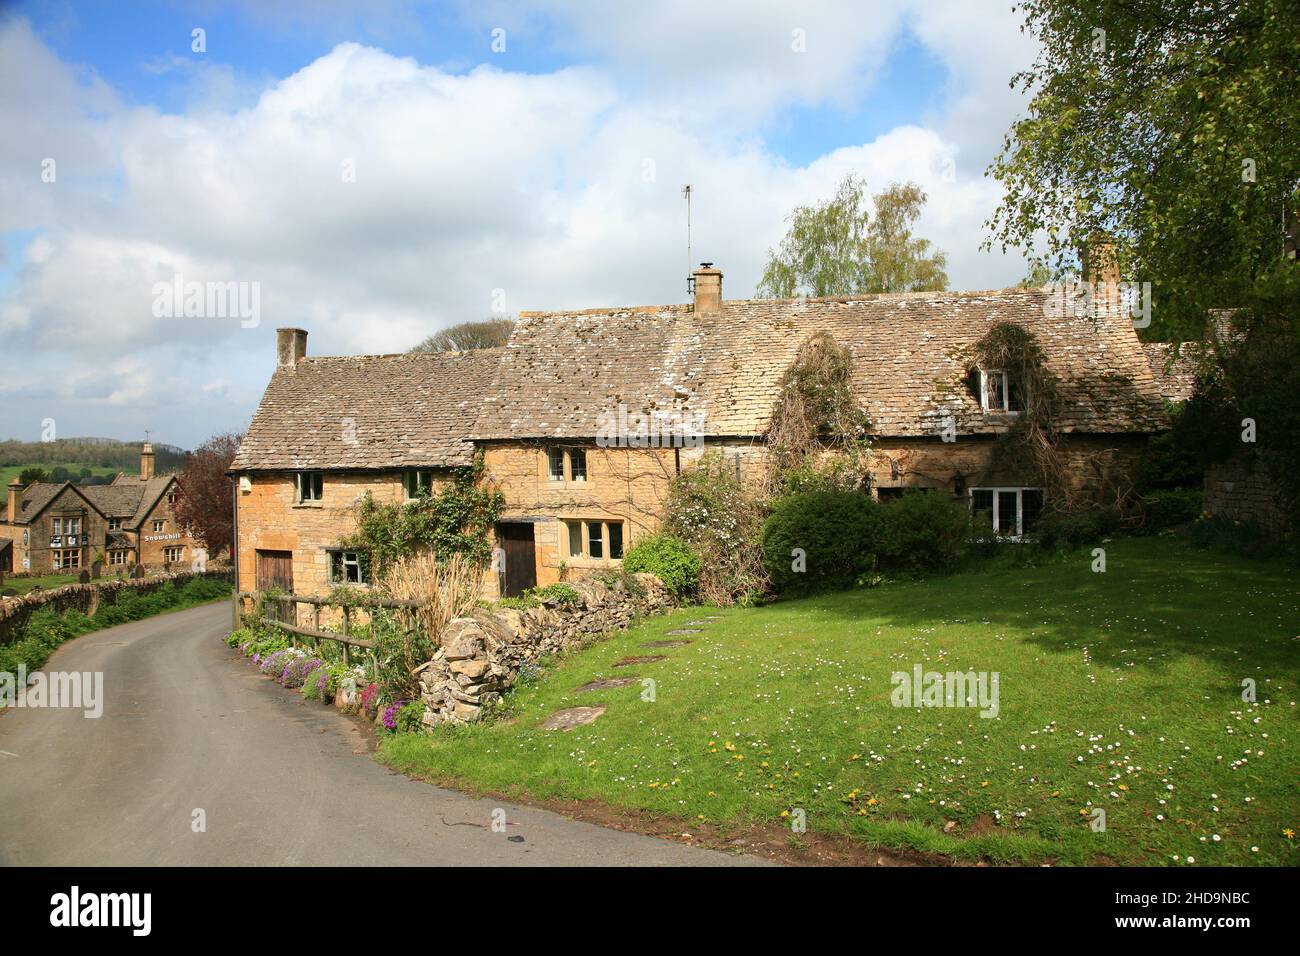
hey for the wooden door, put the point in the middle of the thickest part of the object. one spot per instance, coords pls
(275, 570)
(520, 571)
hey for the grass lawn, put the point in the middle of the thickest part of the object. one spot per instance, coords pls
(1120, 690)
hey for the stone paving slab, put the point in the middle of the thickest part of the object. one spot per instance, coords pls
(572, 717)
(607, 684)
(645, 659)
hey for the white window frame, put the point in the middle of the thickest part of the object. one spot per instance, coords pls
(159, 525)
(1020, 506)
(1006, 408)
(114, 524)
(117, 556)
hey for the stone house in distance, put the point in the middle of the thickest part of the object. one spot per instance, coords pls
(53, 526)
(559, 415)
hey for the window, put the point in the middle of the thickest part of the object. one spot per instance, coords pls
(1000, 393)
(172, 555)
(66, 559)
(577, 464)
(73, 526)
(1010, 512)
(117, 557)
(171, 497)
(889, 494)
(555, 464)
(159, 524)
(595, 540)
(56, 527)
(114, 524)
(26, 535)
(418, 481)
(345, 568)
(310, 486)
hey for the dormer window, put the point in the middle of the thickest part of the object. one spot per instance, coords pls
(114, 524)
(1000, 393)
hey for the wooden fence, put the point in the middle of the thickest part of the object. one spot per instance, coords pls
(315, 633)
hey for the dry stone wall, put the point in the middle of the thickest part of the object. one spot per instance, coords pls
(86, 598)
(481, 656)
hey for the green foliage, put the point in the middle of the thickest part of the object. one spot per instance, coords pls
(1071, 530)
(457, 520)
(720, 519)
(410, 718)
(670, 559)
(620, 579)
(1175, 458)
(398, 651)
(46, 629)
(560, 592)
(924, 531)
(1170, 508)
(1243, 538)
(819, 539)
(838, 248)
(1175, 131)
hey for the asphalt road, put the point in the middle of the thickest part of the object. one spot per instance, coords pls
(282, 781)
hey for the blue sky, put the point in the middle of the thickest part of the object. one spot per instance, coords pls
(543, 175)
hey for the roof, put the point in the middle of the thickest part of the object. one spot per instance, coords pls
(911, 351)
(409, 410)
(1174, 369)
(131, 499)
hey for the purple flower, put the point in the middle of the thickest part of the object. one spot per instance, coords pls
(390, 714)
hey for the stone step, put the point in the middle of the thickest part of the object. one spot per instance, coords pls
(571, 717)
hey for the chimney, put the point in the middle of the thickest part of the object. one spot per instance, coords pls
(14, 488)
(1102, 266)
(290, 347)
(146, 461)
(708, 288)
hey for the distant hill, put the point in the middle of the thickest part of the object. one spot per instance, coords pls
(102, 456)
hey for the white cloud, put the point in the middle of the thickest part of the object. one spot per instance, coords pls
(561, 188)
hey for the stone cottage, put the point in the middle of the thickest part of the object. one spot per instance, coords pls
(584, 418)
(61, 526)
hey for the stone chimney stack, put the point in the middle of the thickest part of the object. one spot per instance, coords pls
(708, 289)
(14, 488)
(290, 347)
(146, 461)
(1102, 267)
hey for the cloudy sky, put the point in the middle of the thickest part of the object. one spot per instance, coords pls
(377, 171)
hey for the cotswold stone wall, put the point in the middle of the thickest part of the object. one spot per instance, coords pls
(481, 655)
(86, 598)
(1234, 490)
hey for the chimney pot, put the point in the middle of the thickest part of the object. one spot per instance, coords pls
(708, 289)
(290, 347)
(146, 461)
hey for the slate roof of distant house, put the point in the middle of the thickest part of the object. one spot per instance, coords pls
(1174, 371)
(911, 351)
(409, 410)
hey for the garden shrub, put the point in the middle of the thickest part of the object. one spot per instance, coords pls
(298, 670)
(1170, 508)
(837, 531)
(668, 558)
(923, 531)
(1072, 530)
(721, 520)
(560, 593)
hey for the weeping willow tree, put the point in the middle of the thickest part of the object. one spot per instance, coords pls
(816, 411)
